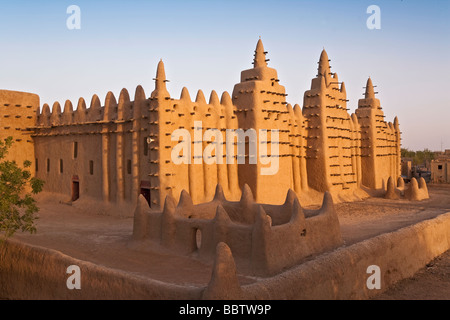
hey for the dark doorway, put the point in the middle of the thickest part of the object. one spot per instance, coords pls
(75, 188)
(146, 193)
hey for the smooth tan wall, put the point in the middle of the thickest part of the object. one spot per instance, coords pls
(104, 135)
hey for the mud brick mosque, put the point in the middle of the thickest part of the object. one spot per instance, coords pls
(116, 150)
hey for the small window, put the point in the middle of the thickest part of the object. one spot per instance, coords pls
(36, 165)
(48, 165)
(61, 166)
(145, 146)
(129, 166)
(440, 167)
(91, 167)
(75, 149)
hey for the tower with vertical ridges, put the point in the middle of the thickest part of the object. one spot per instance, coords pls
(331, 137)
(260, 103)
(380, 141)
(158, 168)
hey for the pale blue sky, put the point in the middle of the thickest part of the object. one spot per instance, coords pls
(206, 44)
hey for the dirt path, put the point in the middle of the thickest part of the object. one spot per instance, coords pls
(430, 283)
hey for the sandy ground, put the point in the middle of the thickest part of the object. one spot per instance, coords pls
(106, 240)
(430, 283)
(374, 216)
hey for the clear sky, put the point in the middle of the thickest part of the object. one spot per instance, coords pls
(206, 44)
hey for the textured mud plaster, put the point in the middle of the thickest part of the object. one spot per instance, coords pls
(417, 191)
(414, 191)
(17, 114)
(391, 190)
(380, 143)
(115, 150)
(264, 239)
(32, 272)
(224, 282)
(342, 274)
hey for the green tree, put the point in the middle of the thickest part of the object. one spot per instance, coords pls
(18, 208)
(418, 157)
(406, 153)
(428, 155)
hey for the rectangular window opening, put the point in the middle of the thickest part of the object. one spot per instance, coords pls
(75, 190)
(75, 149)
(147, 195)
(129, 166)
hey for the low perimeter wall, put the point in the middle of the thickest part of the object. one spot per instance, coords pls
(31, 272)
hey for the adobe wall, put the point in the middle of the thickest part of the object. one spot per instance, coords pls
(342, 274)
(265, 239)
(417, 190)
(31, 272)
(98, 147)
(192, 173)
(380, 142)
(125, 147)
(38, 273)
(325, 141)
(440, 171)
(334, 136)
(17, 113)
(260, 102)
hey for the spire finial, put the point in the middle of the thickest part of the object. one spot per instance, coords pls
(160, 72)
(324, 63)
(260, 55)
(160, 81)
(370, 93)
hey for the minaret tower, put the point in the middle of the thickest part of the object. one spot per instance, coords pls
(260, 103)
(329, 153)
(380, 141)
(156, 167)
